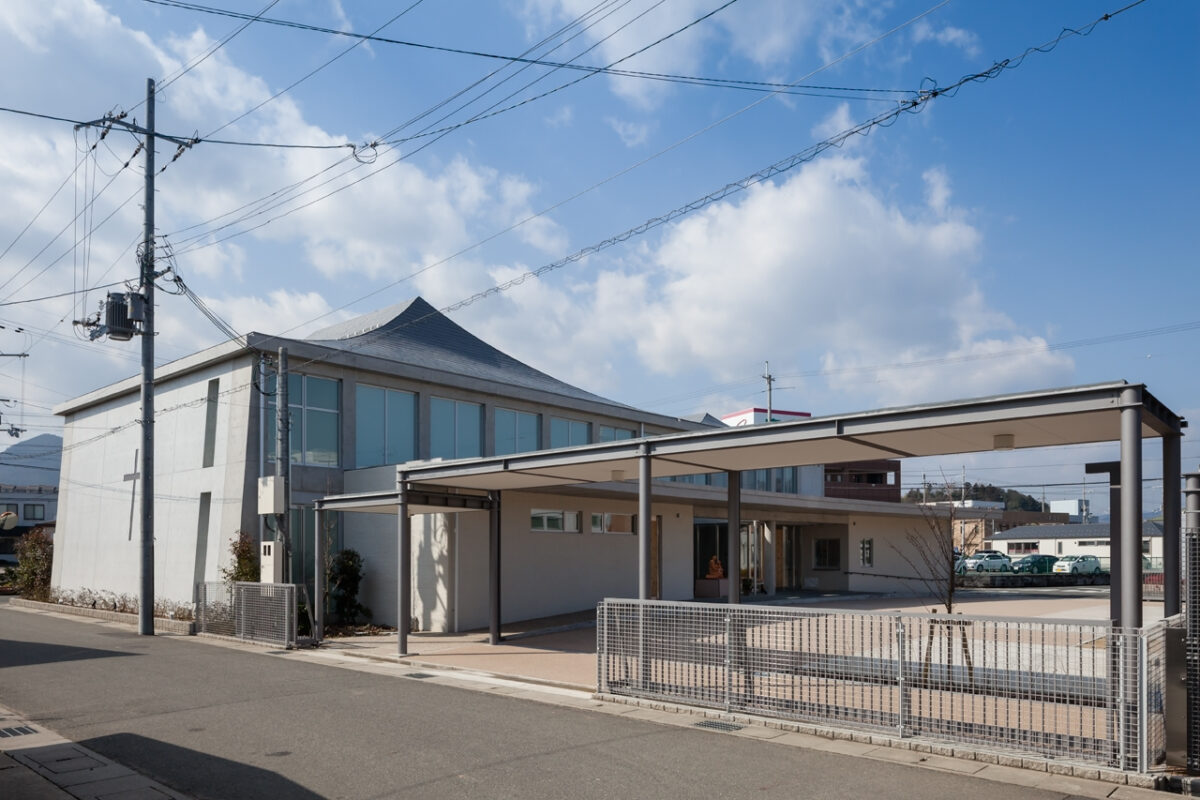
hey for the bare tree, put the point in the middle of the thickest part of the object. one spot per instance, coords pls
(930, 553)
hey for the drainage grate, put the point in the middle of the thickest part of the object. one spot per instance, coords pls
(417, 675)
(22, 730)
(714, 725)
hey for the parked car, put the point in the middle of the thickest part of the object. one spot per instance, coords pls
(987, 561)
(1035, 564)
(1086, 565)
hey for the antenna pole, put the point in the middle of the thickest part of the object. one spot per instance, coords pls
(146, 600)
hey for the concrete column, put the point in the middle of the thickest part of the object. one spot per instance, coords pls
(1131, 507)
(404, 570)
(1172, 516)
(644, 473)
(769, 539)
(733, 555)
(318, 599)
(494, 587)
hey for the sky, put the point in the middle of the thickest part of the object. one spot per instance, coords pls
(693, 213)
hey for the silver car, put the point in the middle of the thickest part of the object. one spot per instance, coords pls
(988, 561)
(1086, 565)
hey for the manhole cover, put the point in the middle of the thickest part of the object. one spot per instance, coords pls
(21, 730)
(715, 725)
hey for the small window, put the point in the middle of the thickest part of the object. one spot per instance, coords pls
(553, 521)
(607, 433)
(35, 511)
(827, 554)
(9, 507)
(516, 432)
(569, 432)
(866, 553)
(614, 523)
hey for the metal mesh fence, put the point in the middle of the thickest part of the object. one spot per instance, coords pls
(260, 612)
(1063, 688)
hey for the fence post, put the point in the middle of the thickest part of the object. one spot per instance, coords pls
(905, 698)
(1143, 704)
(728, 662)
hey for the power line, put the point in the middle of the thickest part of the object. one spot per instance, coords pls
(693, 80)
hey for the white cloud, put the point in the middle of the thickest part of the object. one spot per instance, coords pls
(818, 268)
(775, 33)
(561, 118)
(937, 189)
(949, 36)
(633, 134)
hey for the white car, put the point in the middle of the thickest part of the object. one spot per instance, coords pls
(987, 561)
(1076, 565)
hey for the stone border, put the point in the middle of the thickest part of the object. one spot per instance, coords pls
(920, 745)
(179, 626)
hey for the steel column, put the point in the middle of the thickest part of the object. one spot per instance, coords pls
(1172, 516)
(318, 598)
(1191, 535)
(733, 550)
(644, 522)
(404, 567)
(1131, 507)
(1113, 470)
(494, 587)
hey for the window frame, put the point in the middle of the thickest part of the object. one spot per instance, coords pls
(546, 514)
(821, 554)
(517, 416)
(457, 406)
(386, 432)
(40, 516)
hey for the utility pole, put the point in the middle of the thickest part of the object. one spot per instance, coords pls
(770, 379)
(283, 461)
(146, 601)
(141, 309)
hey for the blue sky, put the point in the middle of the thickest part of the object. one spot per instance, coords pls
(981, 246)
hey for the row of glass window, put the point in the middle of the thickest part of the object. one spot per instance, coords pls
(33, 511)
(386, 426)
(558, 521)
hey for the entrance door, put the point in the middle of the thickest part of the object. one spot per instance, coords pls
(788, 564)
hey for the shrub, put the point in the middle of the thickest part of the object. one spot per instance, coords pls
(35, 554)
(245, 560)
(345, 575)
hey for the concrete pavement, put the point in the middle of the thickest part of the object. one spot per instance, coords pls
(549, 661)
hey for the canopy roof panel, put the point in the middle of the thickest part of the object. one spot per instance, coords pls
(1074, 415)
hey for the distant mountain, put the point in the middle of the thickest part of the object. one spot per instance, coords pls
(32, 462)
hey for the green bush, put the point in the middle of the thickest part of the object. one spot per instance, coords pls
(35, 554)
(345, 575)
(245, 560)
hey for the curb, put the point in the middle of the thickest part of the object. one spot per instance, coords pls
(178, 626)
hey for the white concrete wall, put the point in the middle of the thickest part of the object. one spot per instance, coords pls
(894, 555)
(95, 545)
(542, 573)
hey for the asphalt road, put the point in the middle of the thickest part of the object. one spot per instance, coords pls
(216, 722)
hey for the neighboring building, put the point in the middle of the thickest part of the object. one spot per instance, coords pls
(1072, 539)
(864, 480)
(1076, 510)
(408, 385)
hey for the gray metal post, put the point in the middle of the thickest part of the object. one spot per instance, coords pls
(494, 586)
(1113, 470)
(1172, 517)
(1131, 507)
(404, 567)
(283, 462)
(644, 522)
(146, 601)
(1191, 535)
(733, 554)
(318, 598)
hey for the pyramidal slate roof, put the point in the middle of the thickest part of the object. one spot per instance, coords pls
(418, 334)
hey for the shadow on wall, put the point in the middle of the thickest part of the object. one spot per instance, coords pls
(430, 567)
(200, 774)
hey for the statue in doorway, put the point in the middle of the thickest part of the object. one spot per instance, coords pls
(715, 568)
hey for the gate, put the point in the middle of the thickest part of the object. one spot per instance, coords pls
(257, 612)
